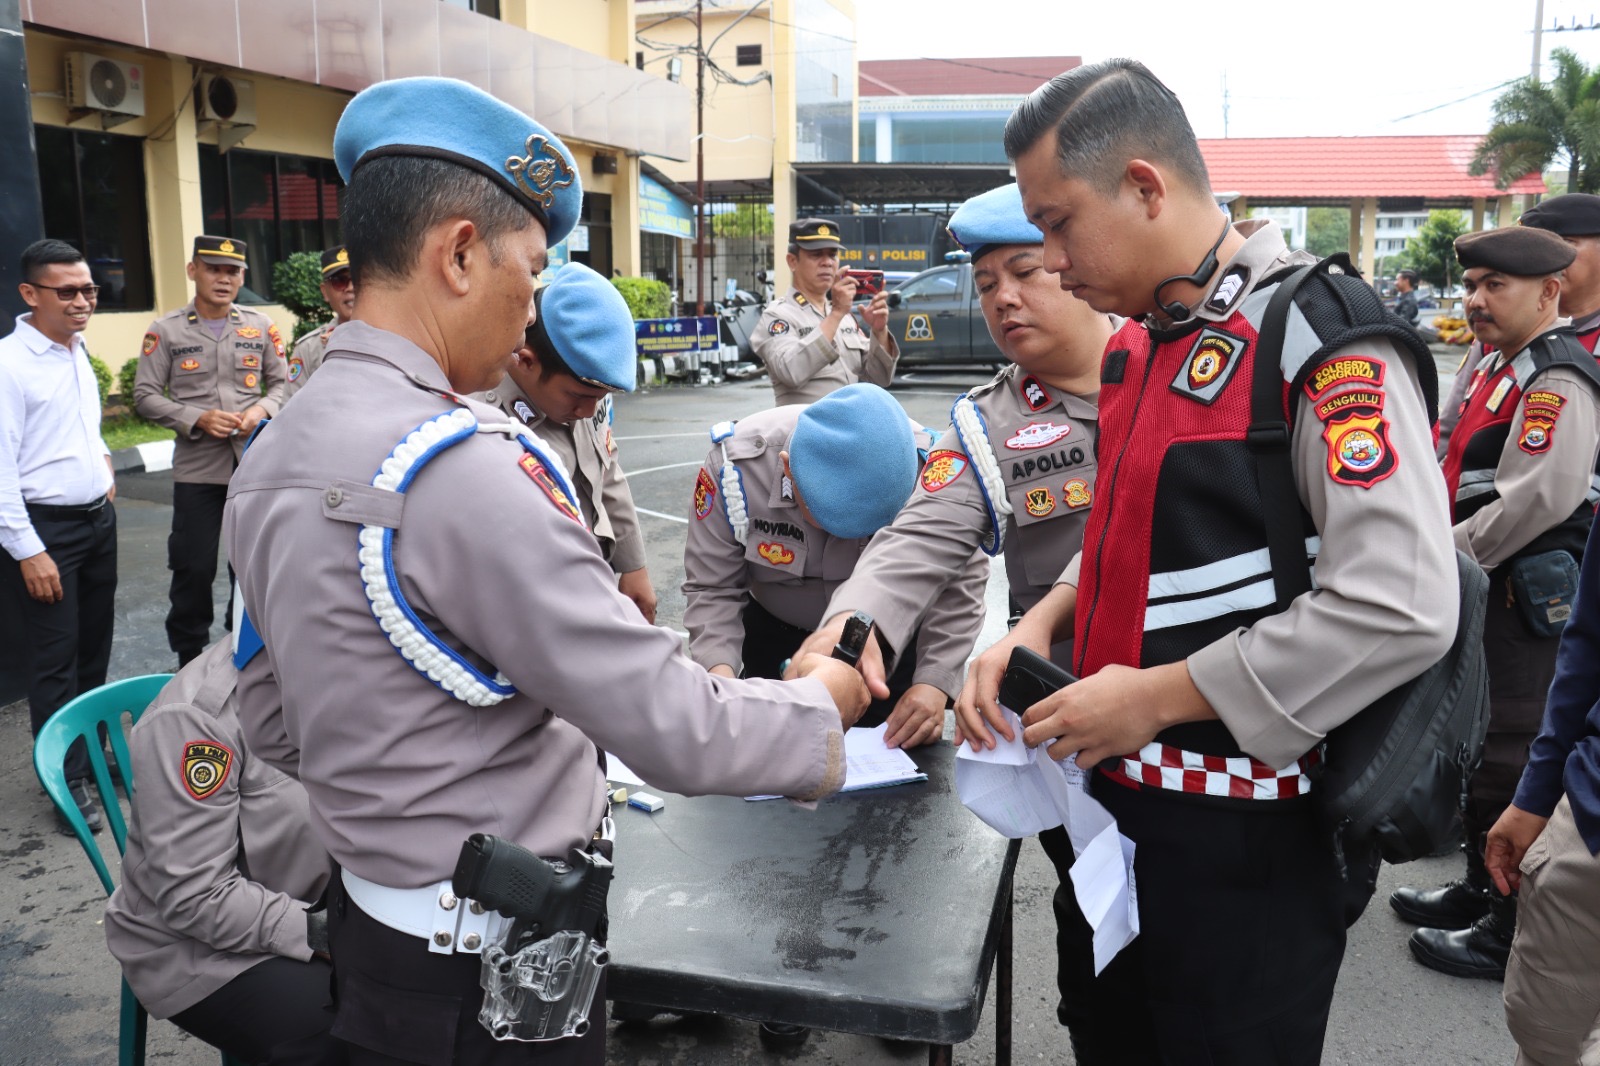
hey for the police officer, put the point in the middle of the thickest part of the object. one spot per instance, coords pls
(579, 351)
(783, 508)
(210, 922)
(1520, 468)
(810, 339)
(210, 371)
(1183, 660)
(1575, 218)
(1018, 477)
(339, 290)
(442, 635)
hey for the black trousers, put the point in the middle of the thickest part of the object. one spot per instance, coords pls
(769, 640)
(277, 1013)
(1521, 667)
(192, 558)
(1241, 935)
(398, 1003)
(68, 644)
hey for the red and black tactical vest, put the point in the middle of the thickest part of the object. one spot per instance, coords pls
(1488, 418)
(1175, 554)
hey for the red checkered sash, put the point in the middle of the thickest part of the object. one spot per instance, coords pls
(1238, 777)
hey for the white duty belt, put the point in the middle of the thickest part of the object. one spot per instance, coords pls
(434, 913)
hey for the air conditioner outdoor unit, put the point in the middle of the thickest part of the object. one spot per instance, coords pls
(227, 105)
(112, 88)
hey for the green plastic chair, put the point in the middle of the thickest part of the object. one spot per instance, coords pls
(93, 716)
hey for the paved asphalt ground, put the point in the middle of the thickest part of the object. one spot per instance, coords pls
(58, 986)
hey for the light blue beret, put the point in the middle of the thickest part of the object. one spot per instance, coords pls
(584, 322)
(854, 460)
(442, 118)
(992, 219)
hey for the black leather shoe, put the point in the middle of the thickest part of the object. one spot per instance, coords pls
(778, 1035)
(1479, 951)
(79, 789)
(1453, 906)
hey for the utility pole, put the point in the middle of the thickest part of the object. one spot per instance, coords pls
(701, 217)
(1538, 30)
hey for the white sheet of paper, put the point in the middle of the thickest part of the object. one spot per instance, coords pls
(617, 772)
(1019, 791)
(868, 764)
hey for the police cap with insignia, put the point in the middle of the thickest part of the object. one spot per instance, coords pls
(992, 219)
(219, 251)
(1519, 250)
(1573, 214)
(814, 233)
(334, 260)
(854, 460)
(442, 118)
(584, 324)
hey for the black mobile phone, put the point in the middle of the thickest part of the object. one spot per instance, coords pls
(1029, 678)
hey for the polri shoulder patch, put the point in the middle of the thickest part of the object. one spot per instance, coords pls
(1538, 429)
(150, 342)
(942, 469)
(705, 494)
(1359, 452)
(540, 476)
(778, 326)
(297, 366)
(1344, 370)
(205, 767)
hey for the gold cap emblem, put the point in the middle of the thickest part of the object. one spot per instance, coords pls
(541, 177)
(824, 231)
(342, 257)
(226, 247)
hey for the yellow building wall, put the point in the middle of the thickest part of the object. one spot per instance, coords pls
(586, 24)
(739, 119)
(292, 118)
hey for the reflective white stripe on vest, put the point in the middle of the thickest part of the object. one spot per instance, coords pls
(1197, 581)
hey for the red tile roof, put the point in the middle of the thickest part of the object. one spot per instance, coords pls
(960, 77)
(1351, 167)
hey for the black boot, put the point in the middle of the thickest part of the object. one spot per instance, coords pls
(1453, 906)
(1480, 951)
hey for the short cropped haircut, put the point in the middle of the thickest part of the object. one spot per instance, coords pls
(1410, 275)
(46, 253)
(1105, 114)
(392, 201)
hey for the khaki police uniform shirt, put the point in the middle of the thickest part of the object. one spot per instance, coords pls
(1538, 490)
(1387, 591)
(185, 371)
(305, 356)
(791, 567)
(1043, 440)
(588, 450)
(399, 771)
(804, 364)
(221, 862)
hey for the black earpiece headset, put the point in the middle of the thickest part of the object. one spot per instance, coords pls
(1208, 266)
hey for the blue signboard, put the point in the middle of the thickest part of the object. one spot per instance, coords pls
(662, 212)
(656, 337)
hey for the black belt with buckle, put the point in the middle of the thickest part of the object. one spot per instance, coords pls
(79, 510)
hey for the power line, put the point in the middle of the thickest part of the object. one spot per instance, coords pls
(1459, 100)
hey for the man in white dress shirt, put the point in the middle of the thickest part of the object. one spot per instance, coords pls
(56, 486)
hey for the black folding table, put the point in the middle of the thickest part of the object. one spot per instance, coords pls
(878, 913)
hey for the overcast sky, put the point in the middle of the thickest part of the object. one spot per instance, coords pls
(1292, 67)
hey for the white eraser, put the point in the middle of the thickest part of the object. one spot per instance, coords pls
(645, 801)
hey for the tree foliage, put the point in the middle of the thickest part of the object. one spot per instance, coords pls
(297, 281)
(125, 381)
(1432, 252)
(102, 378)
(1540, 123)
(646, 297)
(745, 220)
(1327, 230)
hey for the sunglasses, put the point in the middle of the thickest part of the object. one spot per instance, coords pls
(69, 294)
(340, 281)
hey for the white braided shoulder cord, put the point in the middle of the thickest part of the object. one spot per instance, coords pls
(411, 638)
(975, 439)
(733, 501)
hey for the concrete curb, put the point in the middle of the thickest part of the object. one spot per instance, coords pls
(150, 458)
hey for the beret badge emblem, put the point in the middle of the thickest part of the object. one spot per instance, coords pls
(542, 171)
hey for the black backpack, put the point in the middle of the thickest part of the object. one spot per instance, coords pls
(1393, 777)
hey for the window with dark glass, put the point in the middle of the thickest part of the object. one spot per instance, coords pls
(276, 204)
(748, 55)
(93, 188)
(482, 7)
